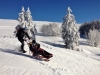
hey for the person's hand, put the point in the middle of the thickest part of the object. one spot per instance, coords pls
(30, 40)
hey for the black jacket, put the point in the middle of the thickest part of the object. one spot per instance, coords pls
(21, 34)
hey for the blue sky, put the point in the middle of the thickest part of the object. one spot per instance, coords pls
(52, 10)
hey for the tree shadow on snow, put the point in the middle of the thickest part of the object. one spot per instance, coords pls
(83, 43)
(15, 52)
(41, 34)
(98, 54)
(53, 44)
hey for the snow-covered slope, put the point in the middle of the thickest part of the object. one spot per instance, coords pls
(63, 62)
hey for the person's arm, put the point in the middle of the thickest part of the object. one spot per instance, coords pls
(27, 35)
(18, 32)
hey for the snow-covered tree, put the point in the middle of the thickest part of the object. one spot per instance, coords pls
(94, 37)
(87, 26)
(21, 18)
(25, 21)
(52, 29)
(35, 30)
(29, 24)
(70, 32)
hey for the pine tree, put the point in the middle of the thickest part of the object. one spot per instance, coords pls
(70, 32)
(21, 18)
(25, 21)
(29, 24)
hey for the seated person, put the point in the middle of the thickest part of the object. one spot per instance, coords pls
(36, 50)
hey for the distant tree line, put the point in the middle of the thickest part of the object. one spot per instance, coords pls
(87, 26)
(91, 30)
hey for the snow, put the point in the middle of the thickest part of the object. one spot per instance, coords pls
(64, 61)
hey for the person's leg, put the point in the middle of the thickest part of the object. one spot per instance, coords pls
(22, 45)
(42, 52)
(47, 54)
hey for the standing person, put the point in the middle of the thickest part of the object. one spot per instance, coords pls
(21, 35)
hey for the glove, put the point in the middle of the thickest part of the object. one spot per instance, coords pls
(30, 42)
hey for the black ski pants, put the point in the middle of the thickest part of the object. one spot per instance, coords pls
(22, 44)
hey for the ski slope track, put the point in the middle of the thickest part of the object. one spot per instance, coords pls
(63, 62)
